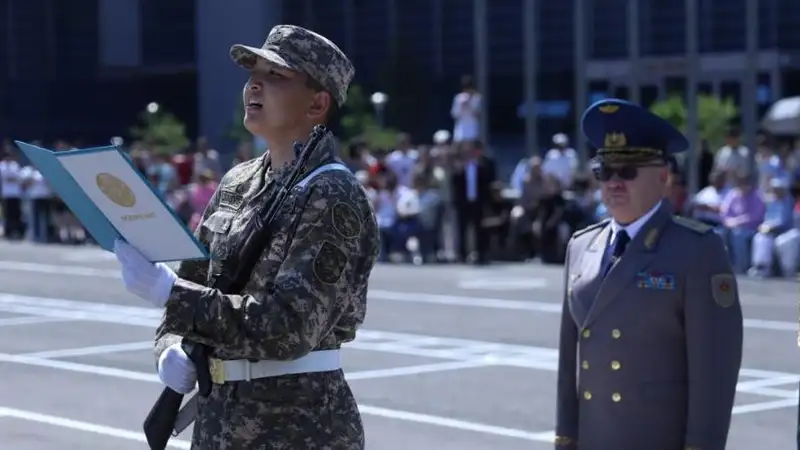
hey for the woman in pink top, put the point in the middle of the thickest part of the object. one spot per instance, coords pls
(200, 194)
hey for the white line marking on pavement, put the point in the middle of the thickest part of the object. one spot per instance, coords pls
(53, 269)
(378, 294)
(68, 366)
(47, 359)
(88, 256)
(13, 321)
(769, 382)
(502, 284)
(84, 426)
(460, 350)
(770, 325)
(372, 340)
(414, 370)
(458, 300)
(80, 368)
(87, 351)
(457, 424)
(365, 409)
(521, 305)
(760, 373)
(765, 406)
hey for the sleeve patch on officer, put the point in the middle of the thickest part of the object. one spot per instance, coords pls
(345, 220)
(723, 289)
(329, 263)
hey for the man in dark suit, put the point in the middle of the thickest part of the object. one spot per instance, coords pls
(651, 329)
(472, 195)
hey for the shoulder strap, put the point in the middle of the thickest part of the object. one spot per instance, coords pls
(321, 169)
(595, 226)
(691, 224)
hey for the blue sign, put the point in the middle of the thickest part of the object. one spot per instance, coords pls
(763, 94)
(597, 96)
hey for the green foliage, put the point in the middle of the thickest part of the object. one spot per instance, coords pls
(236, 130)
(714, 115)
(162, 131)
(358, 121)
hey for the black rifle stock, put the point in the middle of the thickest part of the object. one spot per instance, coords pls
(160, 422)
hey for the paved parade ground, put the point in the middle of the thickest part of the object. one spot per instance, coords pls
(450, 357)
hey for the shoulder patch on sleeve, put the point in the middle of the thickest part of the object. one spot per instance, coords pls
(329, 263)
(724, 289)
(691, 224)
(595, 226)
(345, 220)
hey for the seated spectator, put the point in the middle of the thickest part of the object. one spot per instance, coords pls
(706, 204)
(523, 212)
(385, 205)
(580, 203)
(408, 232)
(561, 161)
(777, 220)
(787, 246)
(549, 228)
(742, 212)
(402, 160)
(496, 221)
(430, 216)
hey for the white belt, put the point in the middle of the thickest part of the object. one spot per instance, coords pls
(243, 369)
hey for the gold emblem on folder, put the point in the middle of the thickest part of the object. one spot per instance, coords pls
(116, 190)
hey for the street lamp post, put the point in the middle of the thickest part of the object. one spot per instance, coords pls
(378, 101)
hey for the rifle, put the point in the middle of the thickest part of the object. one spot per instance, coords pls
(160, 421)
(166, 417)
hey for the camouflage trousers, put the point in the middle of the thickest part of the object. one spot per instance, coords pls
(313, 411)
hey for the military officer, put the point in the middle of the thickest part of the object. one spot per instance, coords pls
(651, 329)
(277, 378)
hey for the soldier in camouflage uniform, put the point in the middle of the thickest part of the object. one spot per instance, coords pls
(275, 348)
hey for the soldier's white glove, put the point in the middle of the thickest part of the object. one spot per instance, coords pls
(176, 370)
(152, 282)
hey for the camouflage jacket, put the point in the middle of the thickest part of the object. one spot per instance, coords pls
(307, 292)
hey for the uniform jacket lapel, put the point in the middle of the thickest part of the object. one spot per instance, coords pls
(589, 275)
(638, 256)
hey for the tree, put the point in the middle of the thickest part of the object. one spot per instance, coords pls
(358, 122)
(714, 116)
(160, 130)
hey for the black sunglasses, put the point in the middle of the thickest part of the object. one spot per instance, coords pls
(626, 172)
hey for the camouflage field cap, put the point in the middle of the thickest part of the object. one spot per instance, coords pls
(303, 50)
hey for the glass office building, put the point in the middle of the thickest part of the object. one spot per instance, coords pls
(53, 52)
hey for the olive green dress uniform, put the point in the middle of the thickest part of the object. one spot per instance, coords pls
(649, 352)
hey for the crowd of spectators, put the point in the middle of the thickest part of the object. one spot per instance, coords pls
(443, 202)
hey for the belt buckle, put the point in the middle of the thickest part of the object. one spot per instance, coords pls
(217, 369)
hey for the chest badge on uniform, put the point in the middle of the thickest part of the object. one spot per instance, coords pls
(655, 280)
(329, 263)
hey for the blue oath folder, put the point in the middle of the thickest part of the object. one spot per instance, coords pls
(73, 195)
